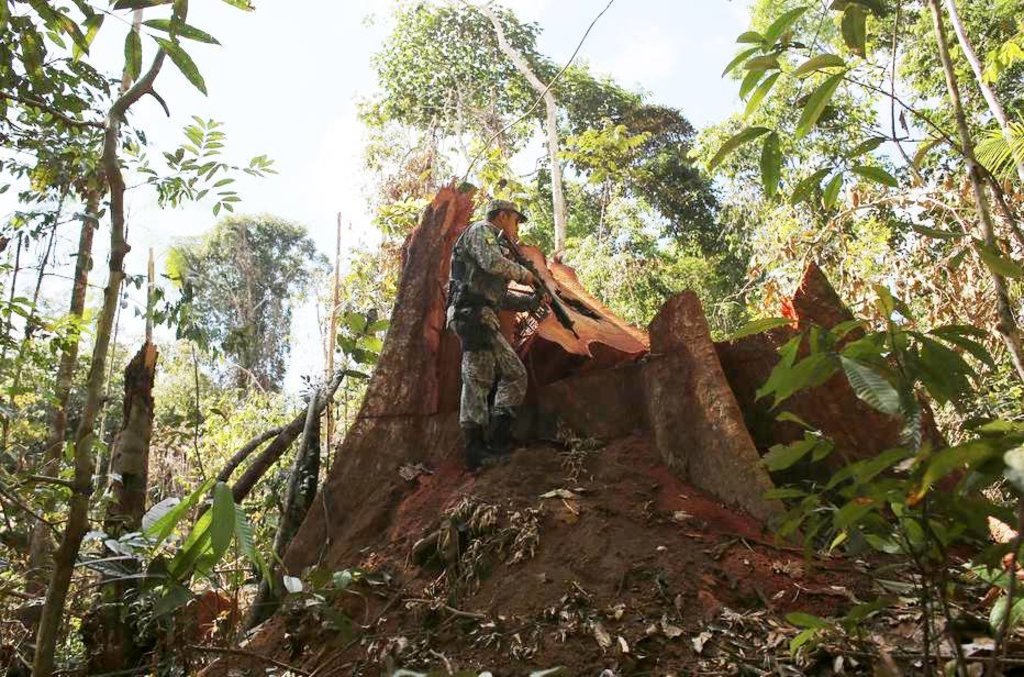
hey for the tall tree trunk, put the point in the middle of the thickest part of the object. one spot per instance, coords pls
(986, 91)
(40, 543)
(111, 639)
(561, 215)
(78, 512)
(1007, 324)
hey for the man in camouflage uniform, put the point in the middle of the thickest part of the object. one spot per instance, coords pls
(481, 271)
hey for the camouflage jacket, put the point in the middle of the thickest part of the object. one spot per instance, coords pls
(486, 270)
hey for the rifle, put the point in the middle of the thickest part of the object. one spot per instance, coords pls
(556, 304)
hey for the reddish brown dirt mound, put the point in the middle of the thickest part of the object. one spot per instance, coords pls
(625, 551)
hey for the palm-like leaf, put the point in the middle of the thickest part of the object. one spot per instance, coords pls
(1002, 154)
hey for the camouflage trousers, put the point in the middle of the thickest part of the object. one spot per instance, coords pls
(480, 368)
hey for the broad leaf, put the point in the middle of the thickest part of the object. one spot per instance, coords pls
(132, 55)
(871, 387)
(762, 63)
(758, 96)
(956, 336)
(876, 174)
(806, 620)
(771, 165)
(782, 24)
(222, 529)
(944, 462)
(816, 103)
(184, 63)
(1014, 470)
(831, 194)
(740, 58)
(819, 62)
(935, 232)
(140, 4)
(996, 262)
(182, 30)
(807, 186)
(750, 81)
(743, 137)
(759, 326)
(782, 456)
(163, 520)
(997, 617)
(751, 37)
(855, 29)
(809, 372)
(867, 146)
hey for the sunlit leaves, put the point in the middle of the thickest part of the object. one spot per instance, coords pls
(740, 58)
(738, 140)
(875, 174)
(816, 103)
(831, 193)
(181, 30)
(184, 63)
(871, 387)
(760, 326)
(132, 55)
(758, 96)
(854, 27)
(782, 24)
(997, 262)
(771, 164)
(818, 63)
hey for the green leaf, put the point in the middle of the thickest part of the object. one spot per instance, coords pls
(782, 24)
(70, 27)
(771, 165)
(816, 103)
(809, 372)
(956, 335)
(783, 494)
(33, 52)
(5, 13)
(92, 27)
(807, 186)
(855, 29)
(241, 4)
(740, 58)
(867, 146)
(923, 150)
(805, 620)
(782, 456)
(762, 63)
(750, 81)
(802, 638)
(752, 37)
(998, 615)
(819, 62)
(945, 373)
(851, 513)
(1014, 470)
(758, 96)
(743, 137)
(944, 462)
(184, 63)
(759, 326)
(139, 4)
(132, 55)
(876, 174)
(831, 194)
(871, 387)
(996, 262)
(163, 521)
(222, 529)
(181, 30)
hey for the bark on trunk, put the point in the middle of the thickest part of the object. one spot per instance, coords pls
(130, 463)
(550, 127)
(113, 632)
(1007, 324)
(986, 91)
(78, 510)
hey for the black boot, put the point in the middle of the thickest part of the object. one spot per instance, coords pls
(475, 446)
(502, 441)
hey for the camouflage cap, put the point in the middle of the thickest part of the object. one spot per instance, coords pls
(505, 206)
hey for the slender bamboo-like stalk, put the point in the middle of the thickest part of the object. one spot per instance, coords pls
(1007, 325)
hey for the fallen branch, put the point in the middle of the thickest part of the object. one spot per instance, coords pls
(452, 610)
(248, 654)
(247, 449)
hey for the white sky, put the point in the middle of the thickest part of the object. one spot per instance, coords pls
(287, 77)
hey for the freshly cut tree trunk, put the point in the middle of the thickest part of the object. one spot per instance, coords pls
(561, 214)
(1007, 325)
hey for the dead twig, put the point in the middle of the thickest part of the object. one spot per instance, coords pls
(452, 610)
(248, 654)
